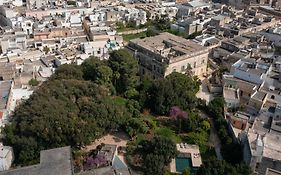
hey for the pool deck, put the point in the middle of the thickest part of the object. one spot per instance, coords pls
(194, 152)
(173, 166)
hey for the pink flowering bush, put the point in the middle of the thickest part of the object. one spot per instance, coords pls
(177, 114)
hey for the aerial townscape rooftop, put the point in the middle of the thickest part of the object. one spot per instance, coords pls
(135, 87)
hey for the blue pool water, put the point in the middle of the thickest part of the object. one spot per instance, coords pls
(182, 163)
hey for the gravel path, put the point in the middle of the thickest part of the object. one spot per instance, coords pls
(118, 138)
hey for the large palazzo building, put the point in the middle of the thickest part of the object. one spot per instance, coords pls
(163, 54)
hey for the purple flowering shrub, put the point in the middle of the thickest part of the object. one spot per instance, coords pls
(95, 161)
(176, 113)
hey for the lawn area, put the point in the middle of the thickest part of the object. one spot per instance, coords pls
(129, 37)
(125, 29)
(119, 100)
(167, 132)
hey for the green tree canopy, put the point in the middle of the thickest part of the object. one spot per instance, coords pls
(220, 167)
(125, 70)
(68, 71)
(175, 90)
(33, 82)
(231, 151)
(62, 112)
(216, 107)
(157, 153)
(74, 106)
(97, 71)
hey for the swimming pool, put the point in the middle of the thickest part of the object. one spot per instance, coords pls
(182, 163)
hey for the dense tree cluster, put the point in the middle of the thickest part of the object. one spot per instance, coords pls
(156, 154)
(175, 90)
(63, 112)
(162, 22)
(139, 125)
(231, 151)
(81, 103)
(70, 110)
(197, 130)
(214, 166)
(125, 69)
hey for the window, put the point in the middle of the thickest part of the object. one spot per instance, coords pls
(272, 97)
(194, 64)
(203, 61)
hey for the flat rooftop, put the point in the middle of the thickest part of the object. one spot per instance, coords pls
(230, 93)
(52, 162)
(272, 146)
(259, 95)
(270, 141)
(7, 69)
(250, 87)
(242, 115)
(194, 152)
(5, 87)
(170, 46)
(4, 150)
